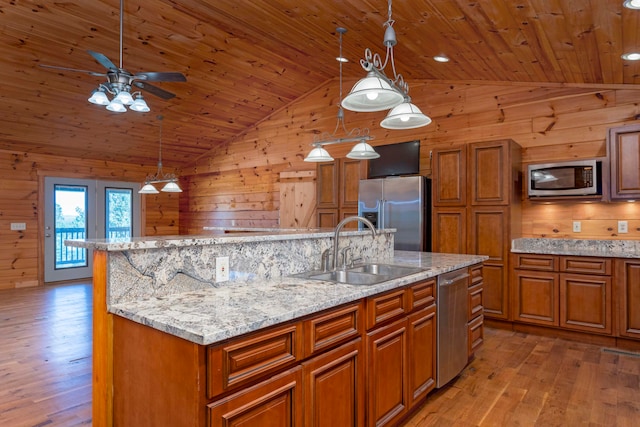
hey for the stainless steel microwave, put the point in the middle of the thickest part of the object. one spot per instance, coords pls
(575, 178)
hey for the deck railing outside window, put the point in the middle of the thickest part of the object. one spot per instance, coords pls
(67, 256)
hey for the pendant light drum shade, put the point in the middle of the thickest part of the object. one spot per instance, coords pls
(372, 94)
(405, 116)
(318, 154)
(363, 151)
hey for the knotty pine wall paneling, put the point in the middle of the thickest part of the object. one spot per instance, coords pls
(551, 122)
(21, 178)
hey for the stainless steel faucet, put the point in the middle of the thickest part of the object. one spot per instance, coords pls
(337, 234)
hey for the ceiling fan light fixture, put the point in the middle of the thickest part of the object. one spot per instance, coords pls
(125, 97)
(363, 151)
(405, 116)
(116, 106)
(99, 97)
(372, 93)
(140, 105)
(147, 188)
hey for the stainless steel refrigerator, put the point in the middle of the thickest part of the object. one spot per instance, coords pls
(403, 203)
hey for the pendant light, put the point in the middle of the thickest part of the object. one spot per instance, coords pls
(377, 92)
(169, 179)
(362, 150)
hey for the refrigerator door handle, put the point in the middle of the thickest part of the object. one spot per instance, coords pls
(382, 222)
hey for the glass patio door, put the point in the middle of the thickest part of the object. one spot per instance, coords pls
(84, 209)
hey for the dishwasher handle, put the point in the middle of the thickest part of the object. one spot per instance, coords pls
(455, 279)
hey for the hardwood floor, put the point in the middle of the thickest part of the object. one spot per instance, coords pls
(516, 379)
(45, 356)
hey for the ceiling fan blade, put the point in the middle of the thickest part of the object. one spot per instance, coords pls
(161, 77)
(154, 90)
(93, 73)
(103, 60)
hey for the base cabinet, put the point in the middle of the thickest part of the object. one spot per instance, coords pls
(627, 273)
(569, 292)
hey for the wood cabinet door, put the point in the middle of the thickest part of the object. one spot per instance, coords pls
(449, 230)
(351, 172)
(449, 176)
(327, 218)
(489, 236)
(627, 277)
(585, 302)
(422, 353)
(334, 387)
(624, 152)
(535, 297)
(387, 394)
(327, 185)
(273, 402)
(490, 170)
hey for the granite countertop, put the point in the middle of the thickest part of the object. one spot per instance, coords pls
(577, 247)
(235, 308)
(152, 242)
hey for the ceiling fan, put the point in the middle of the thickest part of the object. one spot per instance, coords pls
(120, 81)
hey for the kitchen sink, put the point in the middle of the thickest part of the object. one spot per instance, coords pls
(363, 274)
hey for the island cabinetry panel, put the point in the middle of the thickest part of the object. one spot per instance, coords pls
(624, 155)
(243, 361)
(475, 325)
(401, 351)
(570, 292)
(484, 215)
(337, 190)
(276, 401)
(334, 387)
(627, 274)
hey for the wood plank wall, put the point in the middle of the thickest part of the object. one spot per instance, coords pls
(22, 174)
(237, 183)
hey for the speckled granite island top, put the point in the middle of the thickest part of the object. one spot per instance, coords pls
(577, 247)
(214, 314)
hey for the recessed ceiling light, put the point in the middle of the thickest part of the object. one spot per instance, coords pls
(444, 58)
(632, 4)
(341, 59)
(631, 56)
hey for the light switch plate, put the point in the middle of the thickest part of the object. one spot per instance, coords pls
(623, 227)
(18, 226)
(222, 269)
(577, 227)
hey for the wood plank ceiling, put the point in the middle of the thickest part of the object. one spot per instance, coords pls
(246, 59)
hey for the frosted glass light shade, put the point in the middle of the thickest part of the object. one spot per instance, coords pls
(124, 97)
(372, 94)
(632, 4)
(98, 97)
(363, 151)
(140, 105)
(116, 106)
(318, 154)
(405, 116)
(148, 189)
(172, 187)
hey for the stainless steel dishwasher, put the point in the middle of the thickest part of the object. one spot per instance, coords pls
(452, 301)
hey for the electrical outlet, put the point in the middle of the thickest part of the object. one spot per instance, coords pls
(18, 226)
(222, 269)
(577, 227)
(623, 227)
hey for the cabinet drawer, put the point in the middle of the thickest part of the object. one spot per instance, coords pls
(476, 274)
(330, 329)
(422, 294)
(587, 265)
(536, 262)
(244, 360)
(475, 301)
(386, 307)
(475, 334)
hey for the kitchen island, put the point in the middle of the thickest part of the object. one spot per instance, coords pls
(162, 320)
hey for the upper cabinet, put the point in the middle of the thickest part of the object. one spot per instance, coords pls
(624, 153)
(495, 172)
(449, 176)
(337, 191)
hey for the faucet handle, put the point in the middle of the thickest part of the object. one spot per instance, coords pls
(345, 255)
(324, 260)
